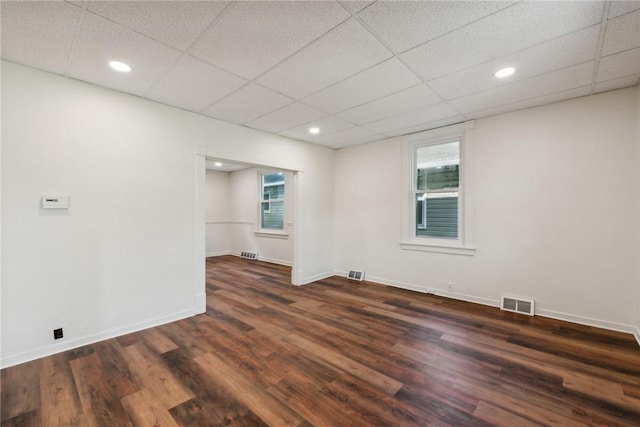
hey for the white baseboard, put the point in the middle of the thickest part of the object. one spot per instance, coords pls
(583, 320)
(209, 254)
(17, 358)
(636, 334)
(275, 261)
(315, 277)
(200, 303)
(260, 258)
(604, 324)
(434, 291)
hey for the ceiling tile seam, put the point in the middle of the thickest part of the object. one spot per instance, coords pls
(393, 135)
(280, 108)
(515, 52)
(342, 2)
(328, 115)
(249, 82)
(621, 51)
(187, 52)
(421, 83)
(603, 29)
(292, 127)
(555, 70)
(131, 29)
(416, 125)
(254, 80)
(347, 78)
(531, 99)
(402, 61)
(322, 118)
(637, 73)
(402, 114)
(76, 37)
(457, 28)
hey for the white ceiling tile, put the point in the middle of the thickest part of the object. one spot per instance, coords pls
(356, 6)
(406, 24)
(562, 52)
(246, 104)
(425, 126)
(545, 84)
(622, 33)
(327, 126)
(193, 85)
(358, 141)
(413, 118)
(619, 65)
(409, 99)
(344, 51)
(38, 34)
(251, 37)
(175, 23)
(618, 8)
(617, 83)
(532, 102)
(286, 118)
(509, 30)
(379, 80)
(101, 41)
(349, 134)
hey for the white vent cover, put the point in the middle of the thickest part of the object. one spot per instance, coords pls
(249, 255)
(517, 305)
(355, 275)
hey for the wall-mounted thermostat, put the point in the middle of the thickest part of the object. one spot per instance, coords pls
(55, 202)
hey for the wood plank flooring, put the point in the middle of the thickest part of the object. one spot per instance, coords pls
(333, 353)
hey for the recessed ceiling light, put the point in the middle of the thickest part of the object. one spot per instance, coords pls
(120, 66)
(314, 130)
(504, 72)
(217, 164)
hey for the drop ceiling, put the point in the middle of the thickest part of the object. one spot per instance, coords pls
(360, 71)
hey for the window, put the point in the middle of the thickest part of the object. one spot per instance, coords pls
(272, 201)
(437, 181)
(436, 211)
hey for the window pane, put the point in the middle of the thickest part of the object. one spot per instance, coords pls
(271, 192)
(273, 178)
(272, 215)
(437, 215)
(272, 203)
(438, 166)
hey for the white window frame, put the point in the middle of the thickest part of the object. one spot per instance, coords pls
(271, 232)
(464, 243)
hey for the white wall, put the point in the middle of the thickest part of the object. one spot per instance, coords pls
(126, 255)
(637, 331)
(218, 213)
(556, 213)
(232, 214)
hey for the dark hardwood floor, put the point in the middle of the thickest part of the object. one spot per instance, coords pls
(333, 353)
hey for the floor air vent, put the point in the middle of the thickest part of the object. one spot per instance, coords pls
(517, 305)
(356, 275)
(249, 255)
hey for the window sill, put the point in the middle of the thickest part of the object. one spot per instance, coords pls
(443, 249)
(272, 234)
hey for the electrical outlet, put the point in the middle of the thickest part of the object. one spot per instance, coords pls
(57, 334)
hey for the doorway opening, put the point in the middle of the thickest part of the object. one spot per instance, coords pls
(245, 209)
